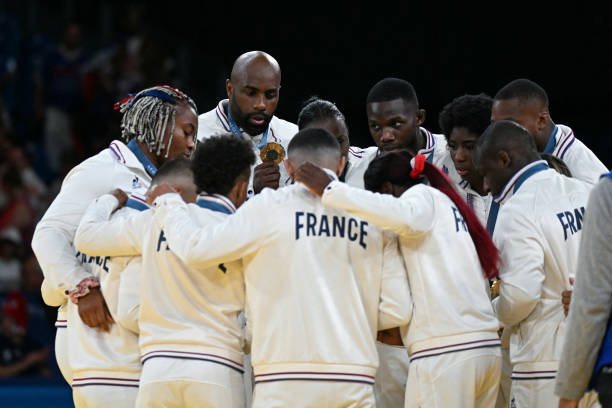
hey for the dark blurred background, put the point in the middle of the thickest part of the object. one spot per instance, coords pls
(64, 63)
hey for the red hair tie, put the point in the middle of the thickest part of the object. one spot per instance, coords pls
(418, 164)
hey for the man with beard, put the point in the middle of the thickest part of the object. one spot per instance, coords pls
(253, 90)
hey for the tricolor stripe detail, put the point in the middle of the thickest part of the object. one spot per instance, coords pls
(185, 355)
(564, 144)
(61, 324)
(430, 143)
(222, 117)
(358, 153)
(112, 381)
(314, 376)
(272, 133)
(117, 151)
(534, 375)
(219, 199)
(454, 348)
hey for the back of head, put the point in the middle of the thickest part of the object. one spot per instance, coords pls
(524, 90)
(148, 114)
(314, 145)
(390, 89)
(219, 161)
(400, 167)
(316, 109)
(509, 136)
(173, 171)
(472, 112)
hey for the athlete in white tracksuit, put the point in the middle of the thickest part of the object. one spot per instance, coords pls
(115, 167)
(101, 359)
(279, 131)
(319, 285)
(455, 359)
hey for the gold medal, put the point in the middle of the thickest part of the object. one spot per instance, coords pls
(272, 152)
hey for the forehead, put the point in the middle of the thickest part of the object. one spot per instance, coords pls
(513, 108)
(461, 134)
(260, 76)
(335, 126)
(386, 109)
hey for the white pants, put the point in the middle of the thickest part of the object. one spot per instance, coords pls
(391, 376)
(61, 353)
(248, 380)
(104, 396)
(541, 394)
(313, 394)
(503, 397)
(171, 382)
(463, 379)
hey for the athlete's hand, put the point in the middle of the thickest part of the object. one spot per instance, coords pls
(160, 189)
(93, 310)
(566, 298)
(565, 403)
(121, 196)
(266, 174)
(392, 337)
(315, 178)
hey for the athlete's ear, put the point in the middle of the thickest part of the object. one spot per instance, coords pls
(542, 120)
(341, 165)
(420, 116)
(229, 88)
(289, 167)
(503, 158)
(238, 193)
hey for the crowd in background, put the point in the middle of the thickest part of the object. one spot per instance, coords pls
(55, 110)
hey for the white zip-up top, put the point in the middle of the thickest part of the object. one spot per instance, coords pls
(357, 163)
(480, 204)
(452, 309)
(119, 166)
(580, 160)
(280, 131)
(319, 282)
(537, 232)
(108, 358)
(185, 313)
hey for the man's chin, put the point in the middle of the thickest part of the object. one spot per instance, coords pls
(255, 130)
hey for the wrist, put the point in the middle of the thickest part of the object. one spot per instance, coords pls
(82, 289)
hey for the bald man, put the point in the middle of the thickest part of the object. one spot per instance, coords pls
(253, 91)
(538, 231)
(526, 103)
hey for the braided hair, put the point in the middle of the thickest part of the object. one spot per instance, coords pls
(148, 114)
(315, 109)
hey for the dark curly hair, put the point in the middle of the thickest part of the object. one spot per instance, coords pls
(219, 160)
(472, 112)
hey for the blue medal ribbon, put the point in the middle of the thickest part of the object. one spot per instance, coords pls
(552, 141)
(211, 205)
(142, 158)
(235, 129)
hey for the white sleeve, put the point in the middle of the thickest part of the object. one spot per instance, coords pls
(205, 246)
(395, 306)
(98, 235)
(410, 214)
(54, 233)
(583, 163)
(522, 270)
(128, 304)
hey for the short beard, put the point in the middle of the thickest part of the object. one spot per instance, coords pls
(242, 120)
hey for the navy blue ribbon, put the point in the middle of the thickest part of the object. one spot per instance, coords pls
(214, 206)
(552, 141)
(136, 205)
(142, 158)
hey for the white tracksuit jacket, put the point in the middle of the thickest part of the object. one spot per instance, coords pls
(118, 166)
(185, 313)
(319, 283)
(357, 163)
(580, 160)
(537, 232)
(109, 358)
(452, 309)
(280, 131)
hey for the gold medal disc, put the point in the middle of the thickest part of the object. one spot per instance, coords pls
(272, 152)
